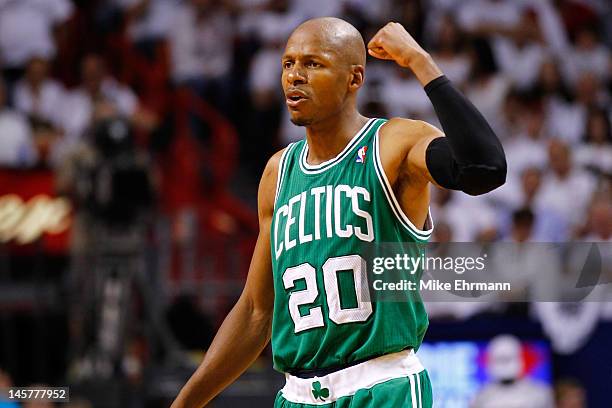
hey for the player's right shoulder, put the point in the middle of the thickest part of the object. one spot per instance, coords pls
(273, 165)
(268, 183)
(271, 171)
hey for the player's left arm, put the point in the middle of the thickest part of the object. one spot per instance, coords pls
(470, 158)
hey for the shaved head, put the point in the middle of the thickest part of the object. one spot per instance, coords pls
(337, 36)
(323, 69)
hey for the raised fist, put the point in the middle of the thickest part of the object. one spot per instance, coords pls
(393, 42)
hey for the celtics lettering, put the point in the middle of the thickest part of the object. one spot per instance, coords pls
(342, 208)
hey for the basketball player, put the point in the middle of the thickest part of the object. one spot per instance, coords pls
(353, 180)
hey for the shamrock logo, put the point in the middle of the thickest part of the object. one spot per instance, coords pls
(319, 392)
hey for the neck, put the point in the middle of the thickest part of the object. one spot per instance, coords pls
(327, 138)
(35, 86)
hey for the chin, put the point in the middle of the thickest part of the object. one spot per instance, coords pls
(301, 121)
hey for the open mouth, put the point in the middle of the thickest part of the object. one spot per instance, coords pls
(295, 97)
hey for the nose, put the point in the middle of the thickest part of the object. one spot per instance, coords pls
(296, 75)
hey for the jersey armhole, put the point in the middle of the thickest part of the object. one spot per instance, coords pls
(402, 218)
(281, 171)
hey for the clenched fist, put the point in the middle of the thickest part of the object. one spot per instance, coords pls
(393, 42)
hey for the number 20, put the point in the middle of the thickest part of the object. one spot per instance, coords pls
(314, 318)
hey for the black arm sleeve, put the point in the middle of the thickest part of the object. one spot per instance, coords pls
(470, 158)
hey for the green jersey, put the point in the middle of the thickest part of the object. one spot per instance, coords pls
(323, 216)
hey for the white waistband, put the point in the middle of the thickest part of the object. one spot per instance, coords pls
(347, 381)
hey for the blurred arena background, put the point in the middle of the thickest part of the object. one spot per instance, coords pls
(132, 137)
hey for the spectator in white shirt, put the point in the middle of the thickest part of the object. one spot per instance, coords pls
(270, 27)
(551, 83)
(563, 117)
(548, 225)
(148, 20)
(201, 45)
(16, 145)
(599, 221)
(452, 208)
(449, 52)
(551, 25)
(588, 55)
(487, 88)
(510, 122)
(27, 29)
(520, 55)
(39, 96)
(596, 151)
(529, 147)
(566, 189)
(96, 86)
(404, 96)
(568, 120)
(483, 16)
(270, 24)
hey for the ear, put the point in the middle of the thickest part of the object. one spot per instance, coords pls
(357, 77)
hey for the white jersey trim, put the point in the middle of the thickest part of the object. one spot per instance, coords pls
(281, 170)
(348, 381)
(418, 233)
(321, 167)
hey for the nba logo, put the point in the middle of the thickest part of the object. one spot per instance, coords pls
(361, 154)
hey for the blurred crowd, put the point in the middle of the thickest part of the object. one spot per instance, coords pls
(198, 84)
(540, 72)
